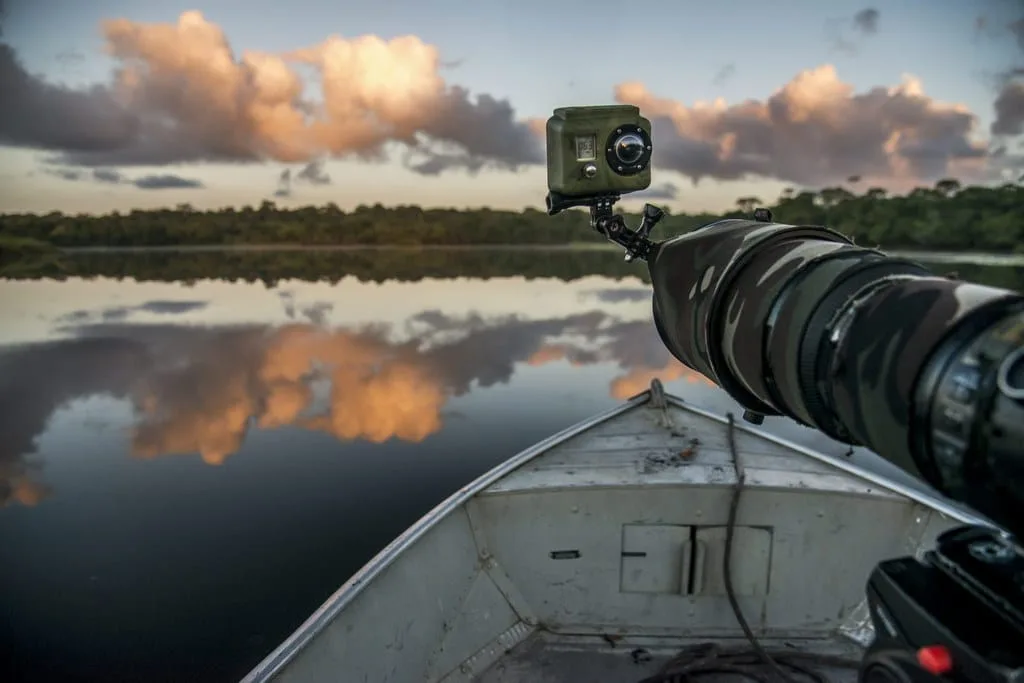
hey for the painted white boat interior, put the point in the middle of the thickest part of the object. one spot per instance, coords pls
(599, 554)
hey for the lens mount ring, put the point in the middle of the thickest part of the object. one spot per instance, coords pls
(1005, 379)
(611, 154)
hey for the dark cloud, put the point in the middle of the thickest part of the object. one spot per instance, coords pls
(486, 355)
(284, 184)
(815, 130)
(116, 313)
(165, 182)
(112, 177)
(436, 163)
(314, 173)
(635, 344)
(288, 302)
(724, 74)
(36, 380)
(980, 26)
(77, 316)
(65, 173)
(42, 116)
(663, 191)
(614, 296)
(1009, 101)
(848, 34)
(472, 135)
(435, 320)
(171, 307)
(107, 175)
(1009, 106)
(199, 390)
(866, 21)
(1017, 29)
(216, 106)
(317, 313)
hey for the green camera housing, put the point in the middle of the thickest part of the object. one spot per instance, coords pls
(598, 151)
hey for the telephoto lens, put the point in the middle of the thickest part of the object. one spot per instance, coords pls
(870, 349)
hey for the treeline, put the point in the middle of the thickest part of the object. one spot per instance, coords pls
(272, 267)
(944, 217)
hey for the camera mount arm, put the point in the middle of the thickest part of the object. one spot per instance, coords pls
(613, 225)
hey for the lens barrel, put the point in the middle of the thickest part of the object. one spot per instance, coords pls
(870, 349)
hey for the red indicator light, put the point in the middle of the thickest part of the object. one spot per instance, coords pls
(935, 659)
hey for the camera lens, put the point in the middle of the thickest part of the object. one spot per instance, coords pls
(629, 148)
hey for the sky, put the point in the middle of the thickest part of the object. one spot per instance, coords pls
(127, 104)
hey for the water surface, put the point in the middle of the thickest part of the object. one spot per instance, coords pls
(190, 465)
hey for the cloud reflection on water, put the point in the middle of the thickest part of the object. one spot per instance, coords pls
(202, 389)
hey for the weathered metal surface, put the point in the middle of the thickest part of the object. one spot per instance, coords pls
(614, 528)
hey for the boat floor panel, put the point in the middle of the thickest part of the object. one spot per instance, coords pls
(544, 658)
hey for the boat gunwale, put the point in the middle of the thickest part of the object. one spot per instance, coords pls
(337, 601)
(926, 498)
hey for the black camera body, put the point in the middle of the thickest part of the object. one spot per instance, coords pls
(957, 614)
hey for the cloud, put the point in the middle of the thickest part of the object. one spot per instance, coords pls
(198, 390)
(663, 191)
(434, 163)
(39, 115)
(207, 400)
(284, 184)
(65, 173)
(471, 134)
(180, 94)
(980, 26)
(619, 295)
(35, 381)
(112, 177)
(1017, 29)
(866, 21)
(314, 173)
(170, 307)
(165, 181)
(116, 313)
(1009, 106)
(288, 302)
(847, 35)
(106, 175)
(1009, 102)
(724, 74)
(317, 313)
(814, 130)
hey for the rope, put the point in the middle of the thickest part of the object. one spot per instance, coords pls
(753, 661)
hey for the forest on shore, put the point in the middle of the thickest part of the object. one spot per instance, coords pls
(271, 267)
(946, 217)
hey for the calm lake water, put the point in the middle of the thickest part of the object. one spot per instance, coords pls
(190, 467)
